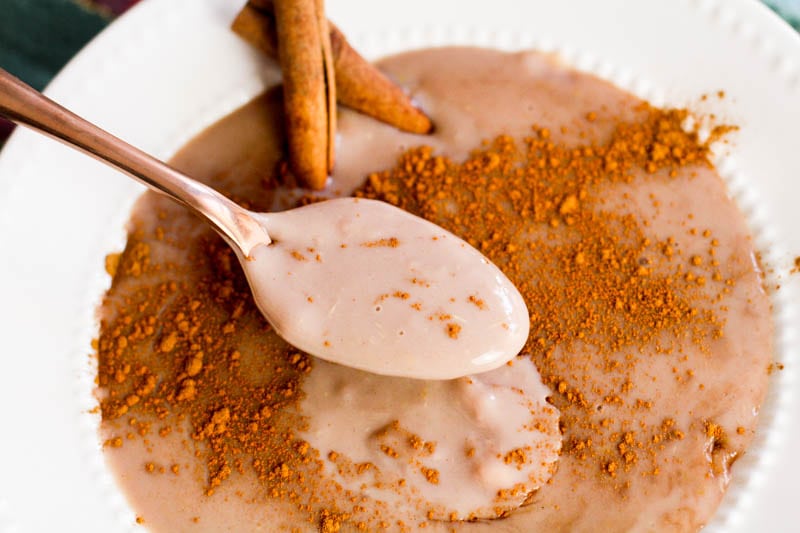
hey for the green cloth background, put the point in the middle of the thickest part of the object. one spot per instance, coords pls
(37, 37)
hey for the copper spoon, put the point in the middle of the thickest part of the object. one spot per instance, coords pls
(420, 350)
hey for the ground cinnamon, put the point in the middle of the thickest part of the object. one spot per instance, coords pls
(591, 279)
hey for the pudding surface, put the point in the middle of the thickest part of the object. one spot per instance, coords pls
(649, 324)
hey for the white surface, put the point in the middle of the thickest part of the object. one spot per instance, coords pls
(170, 67)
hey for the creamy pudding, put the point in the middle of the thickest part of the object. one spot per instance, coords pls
(637, 389)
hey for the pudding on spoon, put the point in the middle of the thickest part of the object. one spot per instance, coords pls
(367, 285)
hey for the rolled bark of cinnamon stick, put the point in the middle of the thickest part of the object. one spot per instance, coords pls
(330, 81)
(305, 89)
(359, 84)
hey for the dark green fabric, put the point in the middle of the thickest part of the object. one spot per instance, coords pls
(37, 37)
(789, 10)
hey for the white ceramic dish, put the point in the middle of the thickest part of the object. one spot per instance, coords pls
(170, 67)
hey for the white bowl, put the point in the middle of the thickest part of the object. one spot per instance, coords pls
(169, 68)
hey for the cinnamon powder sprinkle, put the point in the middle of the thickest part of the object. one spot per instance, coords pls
(453, 330)
(477, 302)
(298, 256)
(590, 277)
(391, 242)
(169, 366)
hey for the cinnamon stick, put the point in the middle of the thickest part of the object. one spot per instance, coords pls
(360, 85)
(309, 127)
(330, 80)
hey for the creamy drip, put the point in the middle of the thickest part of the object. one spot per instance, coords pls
(475, 446)
(367, 285)
(473, 94)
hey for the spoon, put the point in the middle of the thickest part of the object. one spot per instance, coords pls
(357, 282)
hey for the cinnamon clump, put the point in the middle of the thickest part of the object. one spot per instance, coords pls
(453, 330)
(392, 242)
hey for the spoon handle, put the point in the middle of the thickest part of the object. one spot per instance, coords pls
(24, 105)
